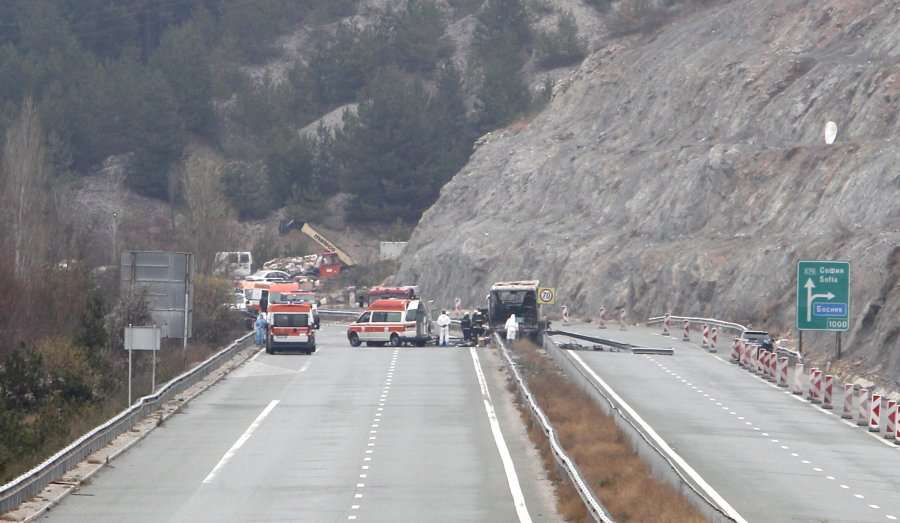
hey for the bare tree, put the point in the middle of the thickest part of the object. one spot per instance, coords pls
(208, 212)
(26, 194)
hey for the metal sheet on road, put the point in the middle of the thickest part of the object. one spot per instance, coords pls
(431, 457)
(772, 457)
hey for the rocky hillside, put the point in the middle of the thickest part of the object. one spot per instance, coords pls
(684, 169)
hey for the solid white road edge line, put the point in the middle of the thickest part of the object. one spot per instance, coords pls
(698, 479)
(241, 440)
(511, 477)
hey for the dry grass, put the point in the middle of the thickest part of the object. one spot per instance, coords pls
(606, 460)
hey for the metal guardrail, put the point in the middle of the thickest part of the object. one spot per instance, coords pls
(31, 483)
(587, 383)
(593, 506)
(784, 351)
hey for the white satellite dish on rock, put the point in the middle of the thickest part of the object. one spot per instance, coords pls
(830, 132)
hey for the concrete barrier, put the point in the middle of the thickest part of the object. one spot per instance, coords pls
(782, 371)
(799, 379)
(827, 390)
(847, 411)
(891, 428)
(875, 414)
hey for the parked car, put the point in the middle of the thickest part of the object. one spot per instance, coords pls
(270, 276)
(761, 338)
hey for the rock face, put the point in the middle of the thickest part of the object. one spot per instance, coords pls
(686, 171)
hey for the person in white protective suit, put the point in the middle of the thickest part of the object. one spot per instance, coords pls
(512, 327)
(443, 322)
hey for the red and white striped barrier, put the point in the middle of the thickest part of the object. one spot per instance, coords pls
(891, 420)
(815, 386)
(601, 318)
(875, 414)
(705, 342)
(754, 359)
(714, 340)
(565, 314)
(799, 379)
(622, 325)
(862, 411)
(745, 355)
(827, 390)
(847, 412)
(736, 348)
(773, 367)
(782, 371)
(897, 422)
(666, 323)
(686, 336)
(762, 362)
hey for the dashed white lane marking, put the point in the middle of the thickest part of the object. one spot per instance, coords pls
(512, 478)
(766, 434)
(891, 517)
(241, 440)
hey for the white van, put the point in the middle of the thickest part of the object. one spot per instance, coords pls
(237, 265)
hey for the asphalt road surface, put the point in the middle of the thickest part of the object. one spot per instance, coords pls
(366, 434)
(772, 456)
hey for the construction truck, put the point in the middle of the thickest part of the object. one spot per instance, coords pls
(519, 298)
(331, 261)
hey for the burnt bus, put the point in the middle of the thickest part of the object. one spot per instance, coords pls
(519, 298)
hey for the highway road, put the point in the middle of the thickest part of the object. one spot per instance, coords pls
(772, 456)
(366, 434)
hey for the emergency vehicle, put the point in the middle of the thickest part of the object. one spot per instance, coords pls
(293, 293)
(408, 292)
(393, 321)
(253, 292)
(291, 327)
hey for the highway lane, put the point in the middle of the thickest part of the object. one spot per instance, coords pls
(771, 456)
(367, 434)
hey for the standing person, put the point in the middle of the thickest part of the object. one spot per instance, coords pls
(512, 328)
(466, 325)
(261, 325)
(443, 322)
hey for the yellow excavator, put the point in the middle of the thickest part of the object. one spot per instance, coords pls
(331, 261)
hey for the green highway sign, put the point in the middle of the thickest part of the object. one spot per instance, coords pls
(823, 296)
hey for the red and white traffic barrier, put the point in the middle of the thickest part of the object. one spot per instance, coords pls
(762, 360)
(705, 342)
(666, 322)
(891, 420)
(686, 336)
(827, 390)
(875, 414)
(799, 378)
(745, 355)
(897, 422)
(847, 412)
(754, 359)
(601, 318)
(714, 340)
(622, 325)
(736, 348)
(565, 314)
(773, 367)
(782, 371)
(862, 411)
(814, 384)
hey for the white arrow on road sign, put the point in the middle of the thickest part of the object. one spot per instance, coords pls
(810, 297)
